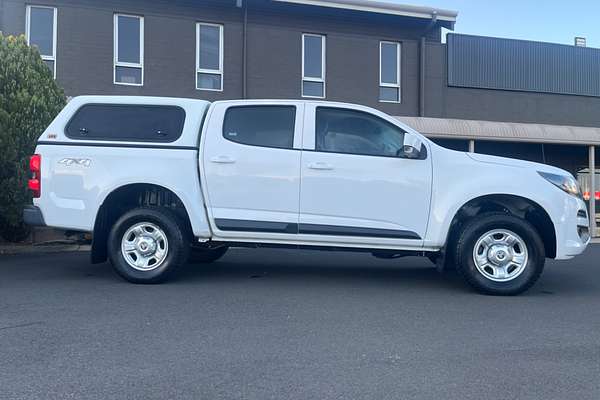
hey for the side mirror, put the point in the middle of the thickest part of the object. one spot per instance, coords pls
(411, 147)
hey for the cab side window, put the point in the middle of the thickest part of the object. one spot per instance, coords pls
(355, 132)
(265, 126)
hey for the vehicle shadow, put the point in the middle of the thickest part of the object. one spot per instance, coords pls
(362, 269)
(317, 267)
(310, 268)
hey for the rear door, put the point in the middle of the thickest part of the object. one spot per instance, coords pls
(251, 168)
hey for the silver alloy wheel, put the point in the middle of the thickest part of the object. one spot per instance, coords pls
(500, 255)
(144, 246)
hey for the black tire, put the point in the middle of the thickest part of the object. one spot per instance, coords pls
(479, 226)
(206, 256)
(177, 239)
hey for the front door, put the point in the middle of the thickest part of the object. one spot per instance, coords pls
(251, 168)
(355, 185)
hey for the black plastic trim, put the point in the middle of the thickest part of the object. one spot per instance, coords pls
(126, 145)
(241, 225)
(226, 224)
(332, 230)
(32, 216)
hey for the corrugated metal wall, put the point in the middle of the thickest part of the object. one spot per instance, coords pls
(494, 63)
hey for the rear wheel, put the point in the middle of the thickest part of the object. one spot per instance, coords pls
(499, 254)
(146, 245)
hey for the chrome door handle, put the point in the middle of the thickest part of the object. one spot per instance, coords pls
(223, 160)
(320, 166)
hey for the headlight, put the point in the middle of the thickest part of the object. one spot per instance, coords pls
(566, 183)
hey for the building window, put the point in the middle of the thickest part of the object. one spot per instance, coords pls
(40, 28)
(209, 57)
(313, 65)
(128, 50)
(389, 72)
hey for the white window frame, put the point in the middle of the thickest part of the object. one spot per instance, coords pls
(54, 33)
(398, 84)
(205, 70)
(116, 62)
(322, 79)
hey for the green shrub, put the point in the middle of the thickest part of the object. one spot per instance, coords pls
(29, 101)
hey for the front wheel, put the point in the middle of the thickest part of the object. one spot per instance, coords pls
(499, 254)
(147, 244)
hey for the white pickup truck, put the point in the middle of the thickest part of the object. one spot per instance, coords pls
(160, 180)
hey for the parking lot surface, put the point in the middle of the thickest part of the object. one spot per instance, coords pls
(282, 324)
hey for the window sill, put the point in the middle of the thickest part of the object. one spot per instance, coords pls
(209, 90)
(127, 84)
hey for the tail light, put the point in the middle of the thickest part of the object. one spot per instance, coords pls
(35, 183)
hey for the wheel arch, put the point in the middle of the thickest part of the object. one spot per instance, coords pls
(124, 198)
(515, 205)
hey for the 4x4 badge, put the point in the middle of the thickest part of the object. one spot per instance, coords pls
(83, 162)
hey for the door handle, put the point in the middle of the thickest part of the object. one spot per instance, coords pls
(223, 160)
(323, 166)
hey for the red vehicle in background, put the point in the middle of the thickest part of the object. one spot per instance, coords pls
(583, 177)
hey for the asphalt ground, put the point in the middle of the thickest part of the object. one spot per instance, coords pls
(282, 324)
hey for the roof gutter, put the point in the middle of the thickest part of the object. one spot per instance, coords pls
(381, 8)
(422, 52)
(244, 6)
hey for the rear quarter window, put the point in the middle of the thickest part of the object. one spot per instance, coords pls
(127, 122)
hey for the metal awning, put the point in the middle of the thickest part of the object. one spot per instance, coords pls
(503, 131)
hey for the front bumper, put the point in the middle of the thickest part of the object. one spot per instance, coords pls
(573, 233)
(33, 216)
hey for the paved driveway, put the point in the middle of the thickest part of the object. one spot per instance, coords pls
(279, 324)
